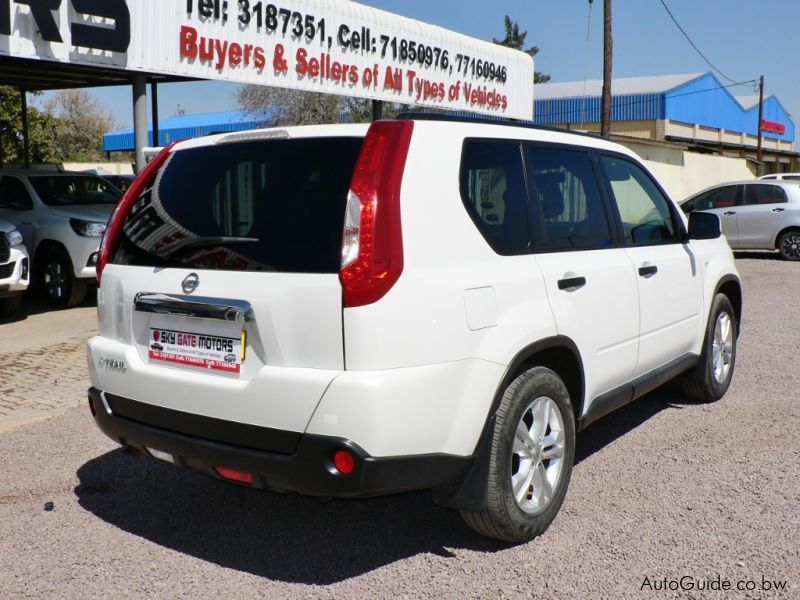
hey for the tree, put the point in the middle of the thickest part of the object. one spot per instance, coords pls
(273, 106)
(12, 145)
(515, 39)
(80, 122)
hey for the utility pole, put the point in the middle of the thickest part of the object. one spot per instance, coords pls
(760, 153)
(608, 52)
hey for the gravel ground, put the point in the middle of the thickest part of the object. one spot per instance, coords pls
(663, 489)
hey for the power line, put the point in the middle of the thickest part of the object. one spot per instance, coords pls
(688, 39)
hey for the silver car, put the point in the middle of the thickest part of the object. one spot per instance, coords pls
(62, 217)
(755, 215)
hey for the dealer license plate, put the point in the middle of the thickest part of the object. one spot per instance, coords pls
(205, 350)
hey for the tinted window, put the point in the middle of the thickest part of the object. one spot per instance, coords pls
(14, 195)
(286, 197)
(493, 190)
(792, 178)
(71, 190)
(567, 199)
(643, 209)
(764, 194)
(723, 197)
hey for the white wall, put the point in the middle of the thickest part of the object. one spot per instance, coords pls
(683, 173)
(102, 167)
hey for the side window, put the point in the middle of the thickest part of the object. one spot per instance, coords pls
(567, 200)
(764, 194)
(493, 190)
(643, 209)
(720, 198)
(14, 195)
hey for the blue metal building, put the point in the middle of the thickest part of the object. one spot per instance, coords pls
(182, 127)
(695, 109)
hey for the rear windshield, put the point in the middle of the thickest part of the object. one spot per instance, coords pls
(73, 190)
(274, 205)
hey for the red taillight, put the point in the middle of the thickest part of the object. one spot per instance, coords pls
(344, 462)
(139, 185)
(372, 251)
(234, 475)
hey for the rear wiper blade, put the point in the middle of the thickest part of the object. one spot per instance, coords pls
(196, 242)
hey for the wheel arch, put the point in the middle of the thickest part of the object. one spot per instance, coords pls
(731, 286)
(559, 354)
(777, 241)
(48, 245)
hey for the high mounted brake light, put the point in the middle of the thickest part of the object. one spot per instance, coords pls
(372, 245)
(139, 185)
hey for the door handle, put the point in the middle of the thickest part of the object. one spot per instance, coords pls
(571, 284)
(729, 213)
(778, 209)
(648, 271)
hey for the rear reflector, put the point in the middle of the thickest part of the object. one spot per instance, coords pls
(372, 244)
(139, 185)
(344, 462)
(234, 475)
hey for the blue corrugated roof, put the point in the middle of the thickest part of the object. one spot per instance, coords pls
(181, 127)
(696, 98)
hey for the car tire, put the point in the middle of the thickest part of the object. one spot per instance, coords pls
(10, 305)
(710, 379)
(789, 245)
(58, 282)
(532, 453)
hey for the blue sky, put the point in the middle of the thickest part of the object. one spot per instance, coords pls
(743, 38)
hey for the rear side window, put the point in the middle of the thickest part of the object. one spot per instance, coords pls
(568, 200)
(274, 205)
(493, 190)
(764, 194)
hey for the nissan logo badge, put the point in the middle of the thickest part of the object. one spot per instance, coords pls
(190, 283)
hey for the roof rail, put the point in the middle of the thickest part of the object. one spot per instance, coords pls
(455, 118)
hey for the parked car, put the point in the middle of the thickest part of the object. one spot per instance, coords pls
(755, 214)
(782, 176)
(14, 269)
(425, 303)
(62, 217)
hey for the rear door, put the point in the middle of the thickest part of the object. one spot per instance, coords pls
(761, 216)
(590, 281)
(224, 285)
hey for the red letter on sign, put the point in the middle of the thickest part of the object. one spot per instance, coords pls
(188, 42)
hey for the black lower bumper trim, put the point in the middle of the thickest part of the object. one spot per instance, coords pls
(308, 469)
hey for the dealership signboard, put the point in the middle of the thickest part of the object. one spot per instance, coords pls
(332, 46)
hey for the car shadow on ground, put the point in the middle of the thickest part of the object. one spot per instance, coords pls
(604, 432)
(34, 303)
(293, 538)
(757, 255)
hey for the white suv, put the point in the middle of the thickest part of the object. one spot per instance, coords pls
(14, 269)
(348, 310)
(62, 217)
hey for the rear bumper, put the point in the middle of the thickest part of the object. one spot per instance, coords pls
(303, 464)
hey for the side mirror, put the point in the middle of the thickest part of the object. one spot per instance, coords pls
(704, 226)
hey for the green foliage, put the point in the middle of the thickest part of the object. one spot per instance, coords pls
(515, 39)
(79, 124)
(11, 138)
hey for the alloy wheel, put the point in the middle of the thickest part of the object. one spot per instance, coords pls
(790, 246)
(722, 347)
(55, 280)
(537, 455)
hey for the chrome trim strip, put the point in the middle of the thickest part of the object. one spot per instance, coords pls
(222, 309)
